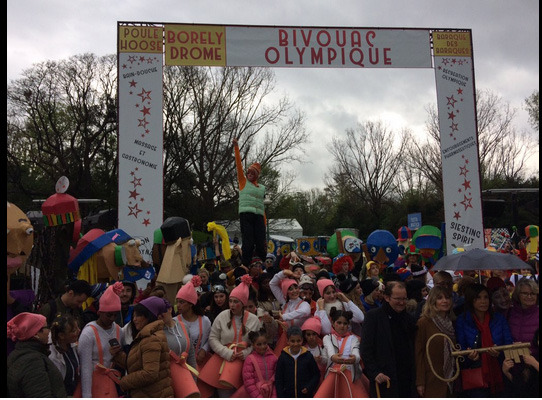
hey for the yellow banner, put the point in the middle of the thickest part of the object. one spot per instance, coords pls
(195, 45)
(451, 44)
(140, 39)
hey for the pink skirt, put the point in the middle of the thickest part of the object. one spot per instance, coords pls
(339, 385)
(230, 377)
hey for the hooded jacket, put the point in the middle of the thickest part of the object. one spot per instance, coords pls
(293, 374)
(30, 372)
(147, 364)
(267, 365)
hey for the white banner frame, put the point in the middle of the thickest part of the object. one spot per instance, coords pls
(140, 135)
(448, 51)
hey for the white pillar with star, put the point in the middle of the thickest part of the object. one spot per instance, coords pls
(140, 134)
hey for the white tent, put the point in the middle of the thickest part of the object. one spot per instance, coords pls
(283, 227)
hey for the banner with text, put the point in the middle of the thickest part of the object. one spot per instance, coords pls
(140, 140)
(454, 75)
(305, 47)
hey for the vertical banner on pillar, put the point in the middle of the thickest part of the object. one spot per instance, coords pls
(140, 140)
(458, 139)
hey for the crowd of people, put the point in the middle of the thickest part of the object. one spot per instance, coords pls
(262, 325)
(286, 326)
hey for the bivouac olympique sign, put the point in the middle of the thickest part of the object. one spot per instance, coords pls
(144, 48)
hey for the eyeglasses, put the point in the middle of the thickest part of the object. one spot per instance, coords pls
(401, 299)
(528, 294)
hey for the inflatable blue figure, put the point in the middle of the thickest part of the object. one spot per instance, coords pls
(381, 247)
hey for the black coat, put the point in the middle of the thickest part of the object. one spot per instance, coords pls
(293, 375)
(381, 353)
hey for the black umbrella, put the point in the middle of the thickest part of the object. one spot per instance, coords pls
(479, 259)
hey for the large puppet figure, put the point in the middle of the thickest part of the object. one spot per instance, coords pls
(20, 239)
(251, 210)
(100, 257)
(346, 242)
(531, 231)
(177, 258)
(428, 239)
(381, 247)
(52, 248)
(404, 238)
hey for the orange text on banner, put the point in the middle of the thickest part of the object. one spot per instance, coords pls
(203, 45)
(140, 39)
(452, 44)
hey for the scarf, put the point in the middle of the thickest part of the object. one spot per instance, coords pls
(338, 335)
(491, 368)
(445, 326)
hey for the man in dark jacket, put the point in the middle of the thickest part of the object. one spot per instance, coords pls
(70, 303)
(387, 348)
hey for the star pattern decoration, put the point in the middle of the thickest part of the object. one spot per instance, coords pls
(143, 122)
(142, 100)
(145, 95)
(136, 182)
(467, 202)
(133, 194)
(451, 101)
(134, 210)
(454, 103)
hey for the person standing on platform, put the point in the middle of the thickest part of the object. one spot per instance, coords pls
(251, 210)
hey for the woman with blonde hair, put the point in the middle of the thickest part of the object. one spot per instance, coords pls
(523, 316)
(436, 317)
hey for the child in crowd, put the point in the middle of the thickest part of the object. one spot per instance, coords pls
(330, 299)
(297, 373)
(258, 368)
(523, 379)
(312, 329)
(343, 377)
(295, 310)
(63, 350)
(269, 324)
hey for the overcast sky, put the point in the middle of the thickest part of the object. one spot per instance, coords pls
(505, 38)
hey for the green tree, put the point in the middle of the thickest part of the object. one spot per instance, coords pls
(531, 104)
(62, 121)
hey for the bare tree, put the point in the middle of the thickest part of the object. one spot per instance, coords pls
(367, 162)
(503, 152)
(205, 109)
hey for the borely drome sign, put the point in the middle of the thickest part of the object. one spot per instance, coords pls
(144, 48)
